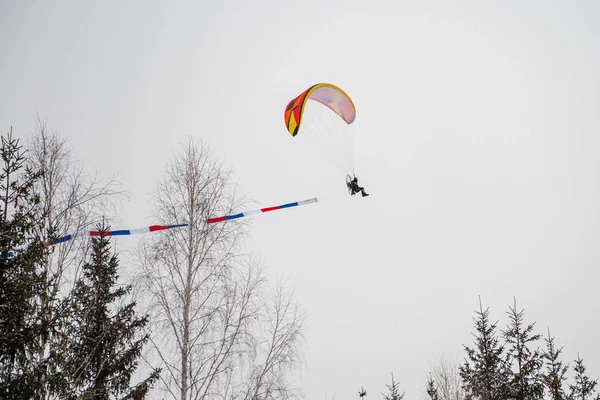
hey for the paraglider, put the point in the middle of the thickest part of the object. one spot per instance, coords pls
(354, 188)
(326, 122)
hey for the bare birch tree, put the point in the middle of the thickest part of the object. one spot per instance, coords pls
(207, 299)
(71, 200)
(446, 379)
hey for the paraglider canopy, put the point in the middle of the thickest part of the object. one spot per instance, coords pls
(325, 125)
(327, 94)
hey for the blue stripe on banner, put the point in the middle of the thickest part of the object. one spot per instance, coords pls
(63, 239)
(121, 232)
(289, 205)
(176, 226)
(240, 215)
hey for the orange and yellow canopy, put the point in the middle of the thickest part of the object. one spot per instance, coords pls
(327, 94)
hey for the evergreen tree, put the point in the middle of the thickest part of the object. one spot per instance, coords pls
(526, 380)
(394, 391)
(21, 375)
(362, 392)
(104, 346)
(556, 372)
(484, 372)
(431, 389)
(584, 388)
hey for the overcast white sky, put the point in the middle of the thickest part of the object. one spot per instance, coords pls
(477, 135)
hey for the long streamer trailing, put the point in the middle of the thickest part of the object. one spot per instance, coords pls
(260, 210)
(154, 228)
(121, 232)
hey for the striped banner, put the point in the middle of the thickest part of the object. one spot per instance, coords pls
(154, 228)
(121, 232)
(260, 210)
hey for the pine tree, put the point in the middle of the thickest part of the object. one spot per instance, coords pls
(526, 381)
(584, 388)
(21, 375)
(362, 392)
(556, 372)
(484, 372)
(432, 390)
(104, 346)
(394, 391)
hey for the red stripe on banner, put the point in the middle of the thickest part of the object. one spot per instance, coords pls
(97, 233)
(213, 220)
(154, 228)
(270, 208)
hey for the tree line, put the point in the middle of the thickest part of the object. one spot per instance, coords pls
(514, 363)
